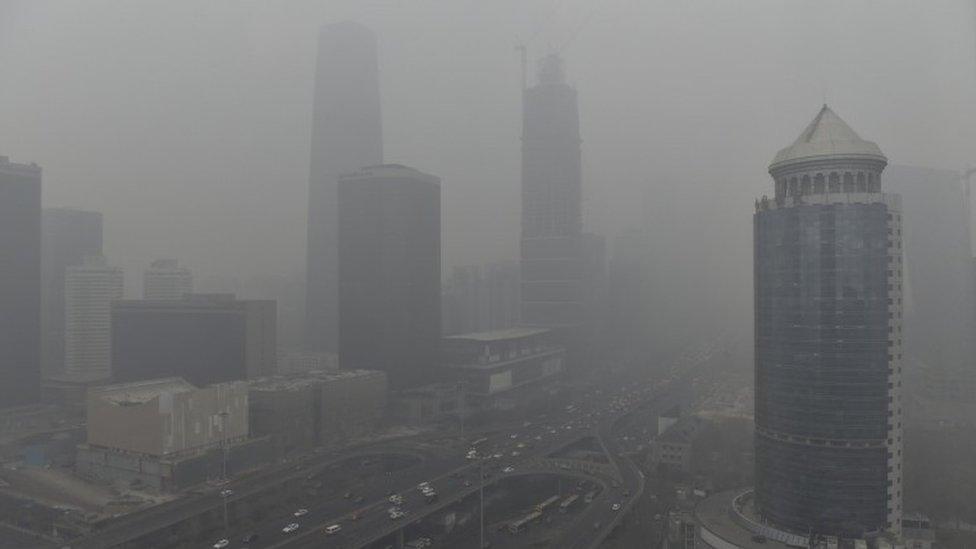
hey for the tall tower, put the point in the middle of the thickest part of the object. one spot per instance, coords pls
(67, 236)
(90, 289)
(390, 273)
(551, 244)
(166, 280)
(346, 136)
(828, 306)
(20, 283)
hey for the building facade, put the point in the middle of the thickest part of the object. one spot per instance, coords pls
(552, 249)
(505, 369)
(347, 134)
(166, 280)
(20, 283)
(203, 338)
(317, 408)
(828, 306)
(67, 236)
(481, 298)
(90, 290)
(389, 273)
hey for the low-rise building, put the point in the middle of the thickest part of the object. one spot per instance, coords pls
(316, 408)
(505, 369)
(673, 447)
(167, 434)
(436, 402)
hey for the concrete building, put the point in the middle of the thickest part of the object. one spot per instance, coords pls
(828, 329)
(67, 236)
(505, 369)
(552, 249)
(90, 290)
(166, 280)
(481, 298)
(347, 134)
(20, 283)
(389, 273)
(317, 408)
(672, 448)
(432, 403)
(203, 338)
(167, 434)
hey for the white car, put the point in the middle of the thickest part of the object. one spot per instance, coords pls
(615, 507)
(300, 512)
(290, 528)
(221, 544)
(508, 469)
(396, 515)
(332, 530)
(226, 493)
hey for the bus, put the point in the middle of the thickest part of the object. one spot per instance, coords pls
(517, 526)
(568, 502)
(540, 507)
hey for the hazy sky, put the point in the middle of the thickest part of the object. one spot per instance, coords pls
(187, 122)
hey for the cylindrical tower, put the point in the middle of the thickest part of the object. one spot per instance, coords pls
(828, 338)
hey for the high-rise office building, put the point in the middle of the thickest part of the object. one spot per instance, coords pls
(89, 290)
(480, 298)
(165, 279)
(203, 338)
(389, 273)
(67, 237)
(346, 135)
(20, 283)
(552, 249)
(828, 329)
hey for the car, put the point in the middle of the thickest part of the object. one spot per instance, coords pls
(396, 515)
(355, 515)
(301, 512)
(508, 469)
(347, 495)
(497, 456)
(516, 453)
(615, 507)
(290, 528)
(357, 499)
(513, 436)
(249, 538)
(227, 492)
(332, 530)
(221, 544)
(758, 538)
(626, 493)
(467, 484)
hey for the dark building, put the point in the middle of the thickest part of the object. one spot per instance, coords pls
(389, 273)
(346, 135)
(67, 236)
(552, 249)
(203, 338)
(828, 329)
(20, 283)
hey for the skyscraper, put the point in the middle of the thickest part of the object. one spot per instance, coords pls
(165, 279)
(20, 283)
(346, 136)
(90, 289)
(67, 236)
(828, 328)
(389, 273)
(551, 245)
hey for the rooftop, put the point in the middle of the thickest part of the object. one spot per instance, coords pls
(827, 135)
(140, 392)
(283, 382)
(500, 335)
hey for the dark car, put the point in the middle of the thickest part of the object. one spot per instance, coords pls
(759, 538)
(249, 538)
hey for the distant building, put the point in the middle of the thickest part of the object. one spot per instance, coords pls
(347, 134)
(828, 305)
(166, 280)
(316, 408)
(20, 283)
(505, 369)
(480, 298)
(552, 249)
(203, 338)
(67, 236)
(672, 448)
(90, 290)
(389, 273)
(431, 403)
(293, 362)
(167, 434)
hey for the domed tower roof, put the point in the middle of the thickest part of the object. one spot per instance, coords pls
(827, 136)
